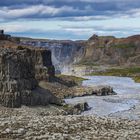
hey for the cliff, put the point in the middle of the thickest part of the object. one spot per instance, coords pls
(64, 52)
(96, 51)
(21, 68)
(108, 50)
(44, 69)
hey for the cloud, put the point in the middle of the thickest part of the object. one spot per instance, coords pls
(72, 15)
(39, 11)
(68, 10)
(71, 31)
(114, 30)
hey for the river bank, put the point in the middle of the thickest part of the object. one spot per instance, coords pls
(53, 123)
(103, 70)
(127, 100)
(133, 72)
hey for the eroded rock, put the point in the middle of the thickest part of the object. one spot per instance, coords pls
(76, 109)
(20, 70)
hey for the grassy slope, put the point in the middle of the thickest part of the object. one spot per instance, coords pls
(123, 46)
(77, 80)
(133, 72)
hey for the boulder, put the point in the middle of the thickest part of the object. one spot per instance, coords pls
(103, 91)
(82, 106)
(76, 109)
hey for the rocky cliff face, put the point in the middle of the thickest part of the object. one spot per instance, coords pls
(64, 53)
(97, 50)
(44, 70)
(20, 70)
(112, 51)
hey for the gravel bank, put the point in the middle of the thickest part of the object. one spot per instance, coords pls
(37, 124)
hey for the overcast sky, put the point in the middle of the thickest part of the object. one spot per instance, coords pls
(70, 19)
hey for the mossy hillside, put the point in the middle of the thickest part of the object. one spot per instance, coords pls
(133, 72)
(120, 45)
(137, 79)
(123, 46)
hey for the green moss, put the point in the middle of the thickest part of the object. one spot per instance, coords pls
(137, 79)
(130, 45)
(133, 72)
(72, 78)
(101, 47)
(66, 106)
(20, 48)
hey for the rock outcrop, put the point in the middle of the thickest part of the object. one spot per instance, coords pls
(63, 91)
(44, 70)
(21, 68)
(64, 53)
(96, 51)
(89, 91)
(108, 50)
(76, 109)
(17, 75)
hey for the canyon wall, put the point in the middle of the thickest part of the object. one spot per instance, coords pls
(109, 50)
(101, 51)
(64, 53)
(98, 49)
(21, 68)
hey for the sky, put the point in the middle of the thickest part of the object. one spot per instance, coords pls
(70, 19)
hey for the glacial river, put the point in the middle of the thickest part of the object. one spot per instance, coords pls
(128, 95)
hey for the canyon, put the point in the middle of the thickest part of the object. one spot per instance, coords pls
(64, 52)
(27, 77)
(37, 102)
(93, 54)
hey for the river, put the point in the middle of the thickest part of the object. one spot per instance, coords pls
(127, 98)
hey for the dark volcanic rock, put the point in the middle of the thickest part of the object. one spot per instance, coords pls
(82, 106)
(96, 90)
(20, 71)
(103, 91)
(44, 70)
(77, 108)
(17, 74)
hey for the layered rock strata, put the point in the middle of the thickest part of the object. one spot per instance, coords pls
(108, 50)
(96, 51)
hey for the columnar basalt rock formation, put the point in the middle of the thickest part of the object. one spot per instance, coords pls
(20, 70)
(17, 75)
(44, 69)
